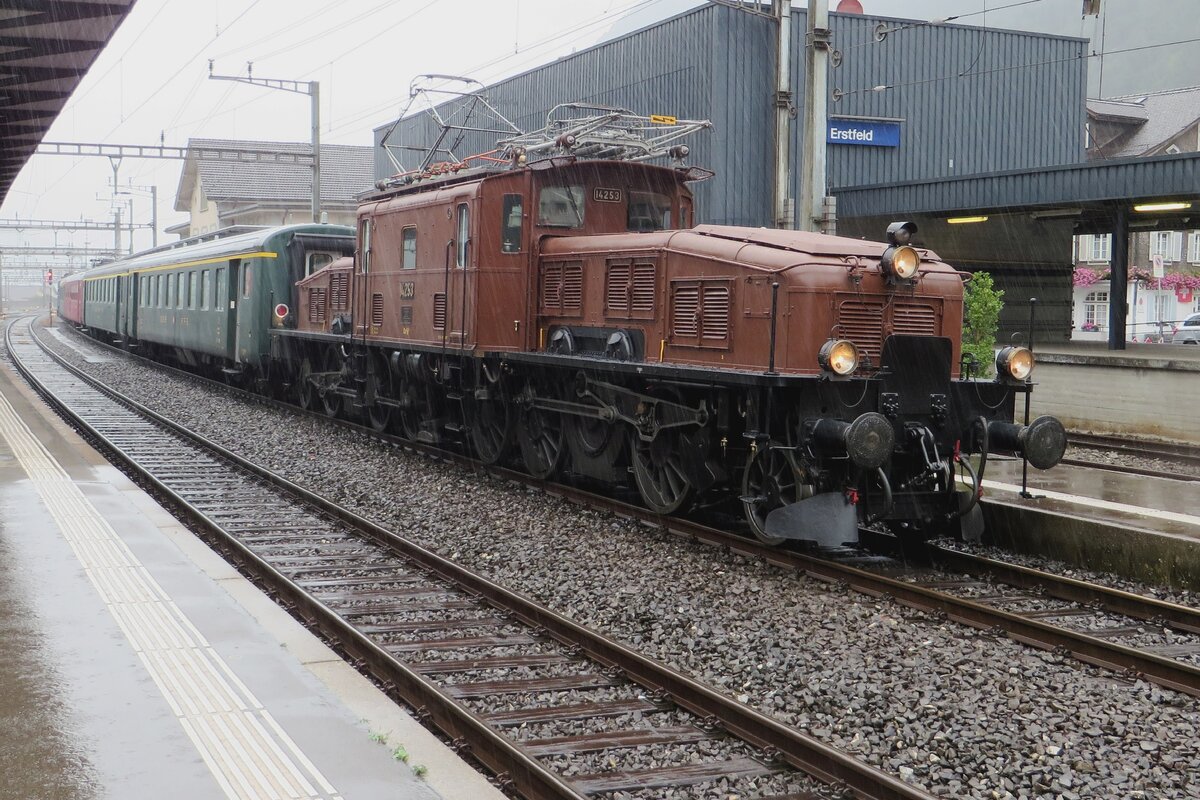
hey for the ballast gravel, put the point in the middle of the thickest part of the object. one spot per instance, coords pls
(957, 712)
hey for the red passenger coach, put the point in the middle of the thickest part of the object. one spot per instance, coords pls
(70, 299)
(555, 304)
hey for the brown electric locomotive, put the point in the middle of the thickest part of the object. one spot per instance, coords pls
(564, 311)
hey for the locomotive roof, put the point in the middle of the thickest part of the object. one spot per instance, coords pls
(763, 248)
(241, 244)
(557, 163)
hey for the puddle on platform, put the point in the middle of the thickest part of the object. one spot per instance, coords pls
(39, 755)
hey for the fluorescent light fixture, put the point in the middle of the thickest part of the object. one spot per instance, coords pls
(964, 220)
(1162, 207)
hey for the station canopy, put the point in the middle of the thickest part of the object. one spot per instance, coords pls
(46, 47)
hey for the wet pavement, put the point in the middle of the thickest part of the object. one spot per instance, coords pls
(93, 708)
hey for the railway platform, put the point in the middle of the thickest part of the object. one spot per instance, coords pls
(137, 663)
(1143, 527)
(1140, 391)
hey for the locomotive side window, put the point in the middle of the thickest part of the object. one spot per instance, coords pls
(364, 244)
(561, 206)
(648, 211)
(316, 261)
(408, 256)
(463, 239)
(510, 224)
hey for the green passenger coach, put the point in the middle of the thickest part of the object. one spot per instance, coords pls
(210, 304)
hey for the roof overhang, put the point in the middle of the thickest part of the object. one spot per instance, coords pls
(45, 50)
(1089, 193)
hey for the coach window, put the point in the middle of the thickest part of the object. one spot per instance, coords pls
(463, 243)
(194, 292)
(510, 223)
(172, 291)
(205, 282)
(247, 280)
(408, 242)
(364, 244)
(220, 289)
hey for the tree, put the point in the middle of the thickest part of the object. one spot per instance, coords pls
(982, 302)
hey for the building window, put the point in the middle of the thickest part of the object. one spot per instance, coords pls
(1095, 311)
(408, 248)
(1162, 306)
(1101, 248)
(1168, 244)
(1194, 247)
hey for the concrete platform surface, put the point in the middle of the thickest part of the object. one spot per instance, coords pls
(136, 663)
(1142, 527)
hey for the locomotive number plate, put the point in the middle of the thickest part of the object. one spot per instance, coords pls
(408, 289)
(602, 195)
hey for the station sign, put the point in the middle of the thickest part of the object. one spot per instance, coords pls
(870, 133)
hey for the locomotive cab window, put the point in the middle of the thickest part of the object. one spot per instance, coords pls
(648, 211)
(561, 207)
(408, 248)
(316, 261)
(510, 224)
(463, 239)
(364, 244)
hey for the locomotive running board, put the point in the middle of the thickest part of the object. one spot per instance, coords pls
(826, 519)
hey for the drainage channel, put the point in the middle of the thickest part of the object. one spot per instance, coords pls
(552, 709)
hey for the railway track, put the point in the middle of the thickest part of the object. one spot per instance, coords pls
(1187, 456)
(481, 664)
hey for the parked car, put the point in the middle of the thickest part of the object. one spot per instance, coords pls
(1189, 330)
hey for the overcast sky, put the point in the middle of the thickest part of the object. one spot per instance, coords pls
(151, 82)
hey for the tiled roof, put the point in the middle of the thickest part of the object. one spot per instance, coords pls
(1165, 115)
(346, 171)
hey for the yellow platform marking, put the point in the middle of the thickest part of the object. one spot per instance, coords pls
(248, 753)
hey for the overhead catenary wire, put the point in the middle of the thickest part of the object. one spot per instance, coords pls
(1049, 62)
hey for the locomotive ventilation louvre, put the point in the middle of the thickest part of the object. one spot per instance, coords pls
(316, 305)
(630, 290)
(700, 311)
(866, 322)
(339, 287)
(376, 310)
(439, 311)
(562, 288)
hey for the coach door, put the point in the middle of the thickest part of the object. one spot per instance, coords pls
(228, 289)
(129, 304)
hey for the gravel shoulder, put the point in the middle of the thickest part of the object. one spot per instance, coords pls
(957, 712)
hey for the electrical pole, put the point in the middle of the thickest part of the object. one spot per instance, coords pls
(117, 230)
(815, 208)
(784, 204)
(310, 88)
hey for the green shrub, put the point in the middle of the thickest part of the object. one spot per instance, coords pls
(982, 302)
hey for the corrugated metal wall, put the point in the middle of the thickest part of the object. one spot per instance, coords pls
(969, 99)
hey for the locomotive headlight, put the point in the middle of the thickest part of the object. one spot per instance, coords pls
(1014, 362)
(900, 262)
(838, 356)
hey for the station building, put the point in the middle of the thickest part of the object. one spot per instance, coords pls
(911, 103)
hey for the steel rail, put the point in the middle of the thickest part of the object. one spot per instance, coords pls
(801, 751)
(1143, 471)
(1116, 601)
(1167, 451)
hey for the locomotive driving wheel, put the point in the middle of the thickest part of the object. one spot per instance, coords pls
(331, 401)
(305, 393)
(491, 424)
(411, 396)
(772, 479)
(543, 444)
(379, 384)
(660, 472)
